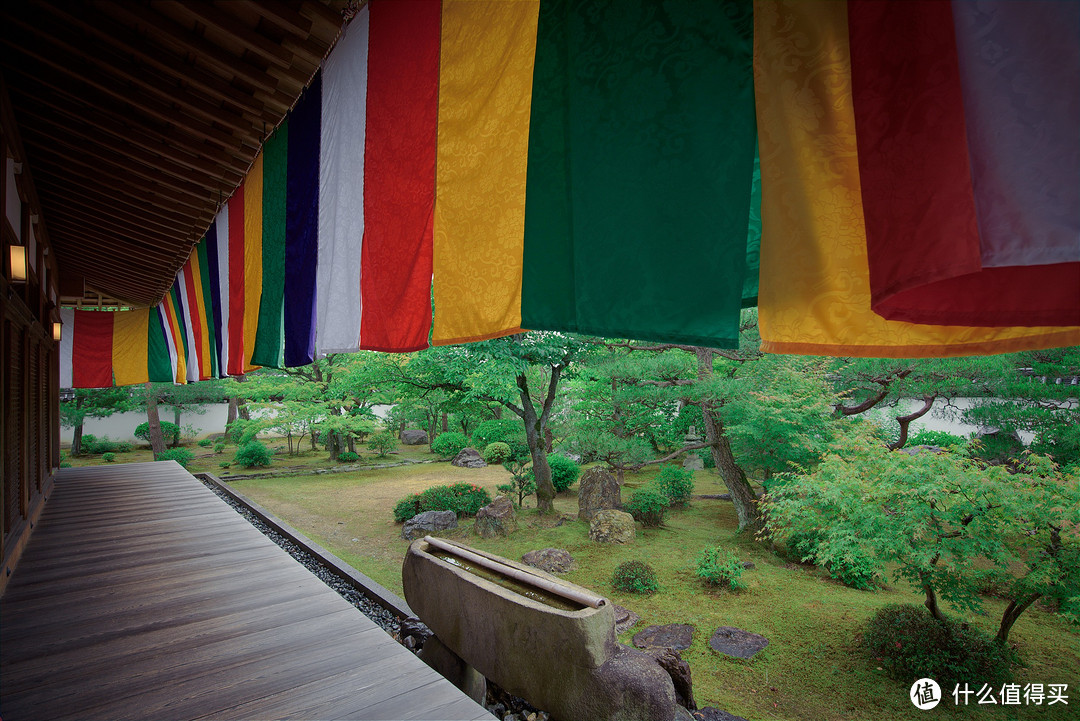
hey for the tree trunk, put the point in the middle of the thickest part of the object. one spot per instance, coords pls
(234, 407)
(1011, 614)
(549, 440)
(534, 433)
(445, 423)
(931, 602)
(176, 433)
(76, 438)
(351, 441)
(333, 445)
(905, 422)
(153, 421)
(742, 493)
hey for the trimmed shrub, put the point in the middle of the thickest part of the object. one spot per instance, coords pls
(122, 447)
(910, 644)
(676, 483)
(99, 446)
(464, 499)
(348, 457)
(382, 443)
(252, 454)
(503, 430)
(496, 452)
(65, 464)
(564, 472)
(142, 431)
(855, 569)
(719, 568)
(224, 464)
(448, 445)
(648, 506)
(181, 455)
(942, 439)
(108, 457)
(635, 577)
(205, 442)
(219, 448)
(88, 440)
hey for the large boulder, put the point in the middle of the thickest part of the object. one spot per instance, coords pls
(678, 636)
(427, 522)
(496, 519)
(612, 527)
(413, 437)
(468, 458)
(598, 490)
(552, 560)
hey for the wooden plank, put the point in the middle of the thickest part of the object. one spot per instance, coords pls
(117, 613)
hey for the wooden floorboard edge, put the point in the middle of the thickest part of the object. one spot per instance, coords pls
(362, 583)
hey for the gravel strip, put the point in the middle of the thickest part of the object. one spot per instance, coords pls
(386, 620)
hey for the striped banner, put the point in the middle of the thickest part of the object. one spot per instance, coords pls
(879, 178)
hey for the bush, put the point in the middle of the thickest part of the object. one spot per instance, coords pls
(382, 443)
(122, 447)
(101, 446)
(181, 455)
(88, 440)
(635, 577)
(504, 430)
(564, 472)
(855, 569)
(168, 430)
(448, 445)
(348, 457)
(496, 452)
(252, 454)
(464, 499)
(65, 464)
(205, 442)
(224, 464)
(219, 448)
(942, 439)
(910, 644)
(108, 457)
(648, 506)
(676, 483)
(717, 568)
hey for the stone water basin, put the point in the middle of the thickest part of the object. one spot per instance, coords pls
(506, 622)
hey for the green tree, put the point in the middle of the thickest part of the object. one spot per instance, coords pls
(947, 524)
(92, 403)
(521, 373)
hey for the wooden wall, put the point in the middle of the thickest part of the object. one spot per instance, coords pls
(30, 375)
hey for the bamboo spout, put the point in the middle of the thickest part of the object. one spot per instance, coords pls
(585, 599)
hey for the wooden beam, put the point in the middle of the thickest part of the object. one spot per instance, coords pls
(62, 188)
(98, 144)
(170, 63)
(106, 117)
(147, 246)
(244, 36)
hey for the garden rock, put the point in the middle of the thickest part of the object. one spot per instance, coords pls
(598, 490)
(693, 462)
(413, 437)
(624, 619)
(468, 458)
(552, 560)
(428, 522)
(736, 642)
(711, 713)
(610, 526)
(413, 633)
(678, 636)
(679, 670)
(496, 519)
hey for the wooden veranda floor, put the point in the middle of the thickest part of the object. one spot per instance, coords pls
(142, 595)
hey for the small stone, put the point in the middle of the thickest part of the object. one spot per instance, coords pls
(609, 526)
(711, 713)
(624, 619)
(736, 642)
(413, 437)
(748, 565)
(427, 522)
(678, 636)
(552, 560)
(496, 519)
(468, 458)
